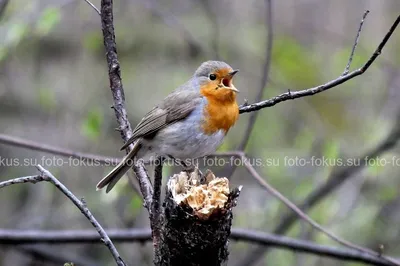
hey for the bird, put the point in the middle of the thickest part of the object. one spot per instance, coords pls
(189, 123)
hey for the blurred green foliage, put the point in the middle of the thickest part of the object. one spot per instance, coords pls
(91, 125)
(48, 21)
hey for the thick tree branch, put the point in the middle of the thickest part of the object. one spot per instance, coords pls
(58, 237)
(114, 73)
(80, 204)
(290, 95)
(197, 220)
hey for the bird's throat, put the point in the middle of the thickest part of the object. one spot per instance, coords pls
(220, 114)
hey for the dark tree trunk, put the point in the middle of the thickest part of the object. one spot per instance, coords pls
(194, 233)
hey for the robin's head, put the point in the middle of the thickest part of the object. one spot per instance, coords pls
(216, 80)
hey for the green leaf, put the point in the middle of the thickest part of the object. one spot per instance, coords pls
(136, 205)
(303, 189)
(331, 149)
(46, 98)
(15, 34)
(136, 202)
(387, 193)
(93, 41)
(304, 140)
(3, 52)
(92, 124)
(292, 61)
(48, 20)
(374, 166)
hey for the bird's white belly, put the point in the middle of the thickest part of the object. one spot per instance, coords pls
(183, 142)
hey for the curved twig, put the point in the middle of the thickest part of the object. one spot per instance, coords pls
(290, 95)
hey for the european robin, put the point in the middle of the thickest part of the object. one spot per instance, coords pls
(191, 122)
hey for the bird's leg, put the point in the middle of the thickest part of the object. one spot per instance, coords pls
(194, 168)
(186, 168)
(189, 168)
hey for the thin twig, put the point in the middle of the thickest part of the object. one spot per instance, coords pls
(114, 73)
(290, 95)
(93, 6)
(47, 176)
(26, 179)
(58, 237)
(305, 217)
(337, 178)
(346, 70)
(155, 213)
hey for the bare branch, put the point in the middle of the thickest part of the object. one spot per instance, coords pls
(307, 247)
(47, 176)
(290, 95)
(346, 70)
(337, 178)
(305, 217)
(18, 237)
(32, 145)
(26, 179)
(117, 90)
(93, 6)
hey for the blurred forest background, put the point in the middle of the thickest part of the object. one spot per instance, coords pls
(54, 90)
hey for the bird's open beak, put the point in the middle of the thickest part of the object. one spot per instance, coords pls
(232, 73)
(233, 88)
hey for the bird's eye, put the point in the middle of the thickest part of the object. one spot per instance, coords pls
(213, 76)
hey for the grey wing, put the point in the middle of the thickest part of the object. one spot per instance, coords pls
(174, 107)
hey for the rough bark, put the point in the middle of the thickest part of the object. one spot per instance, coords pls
(197, 221)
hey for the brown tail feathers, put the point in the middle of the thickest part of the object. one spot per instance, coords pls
(115, 175)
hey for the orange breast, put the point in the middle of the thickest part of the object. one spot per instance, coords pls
(220, 114)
